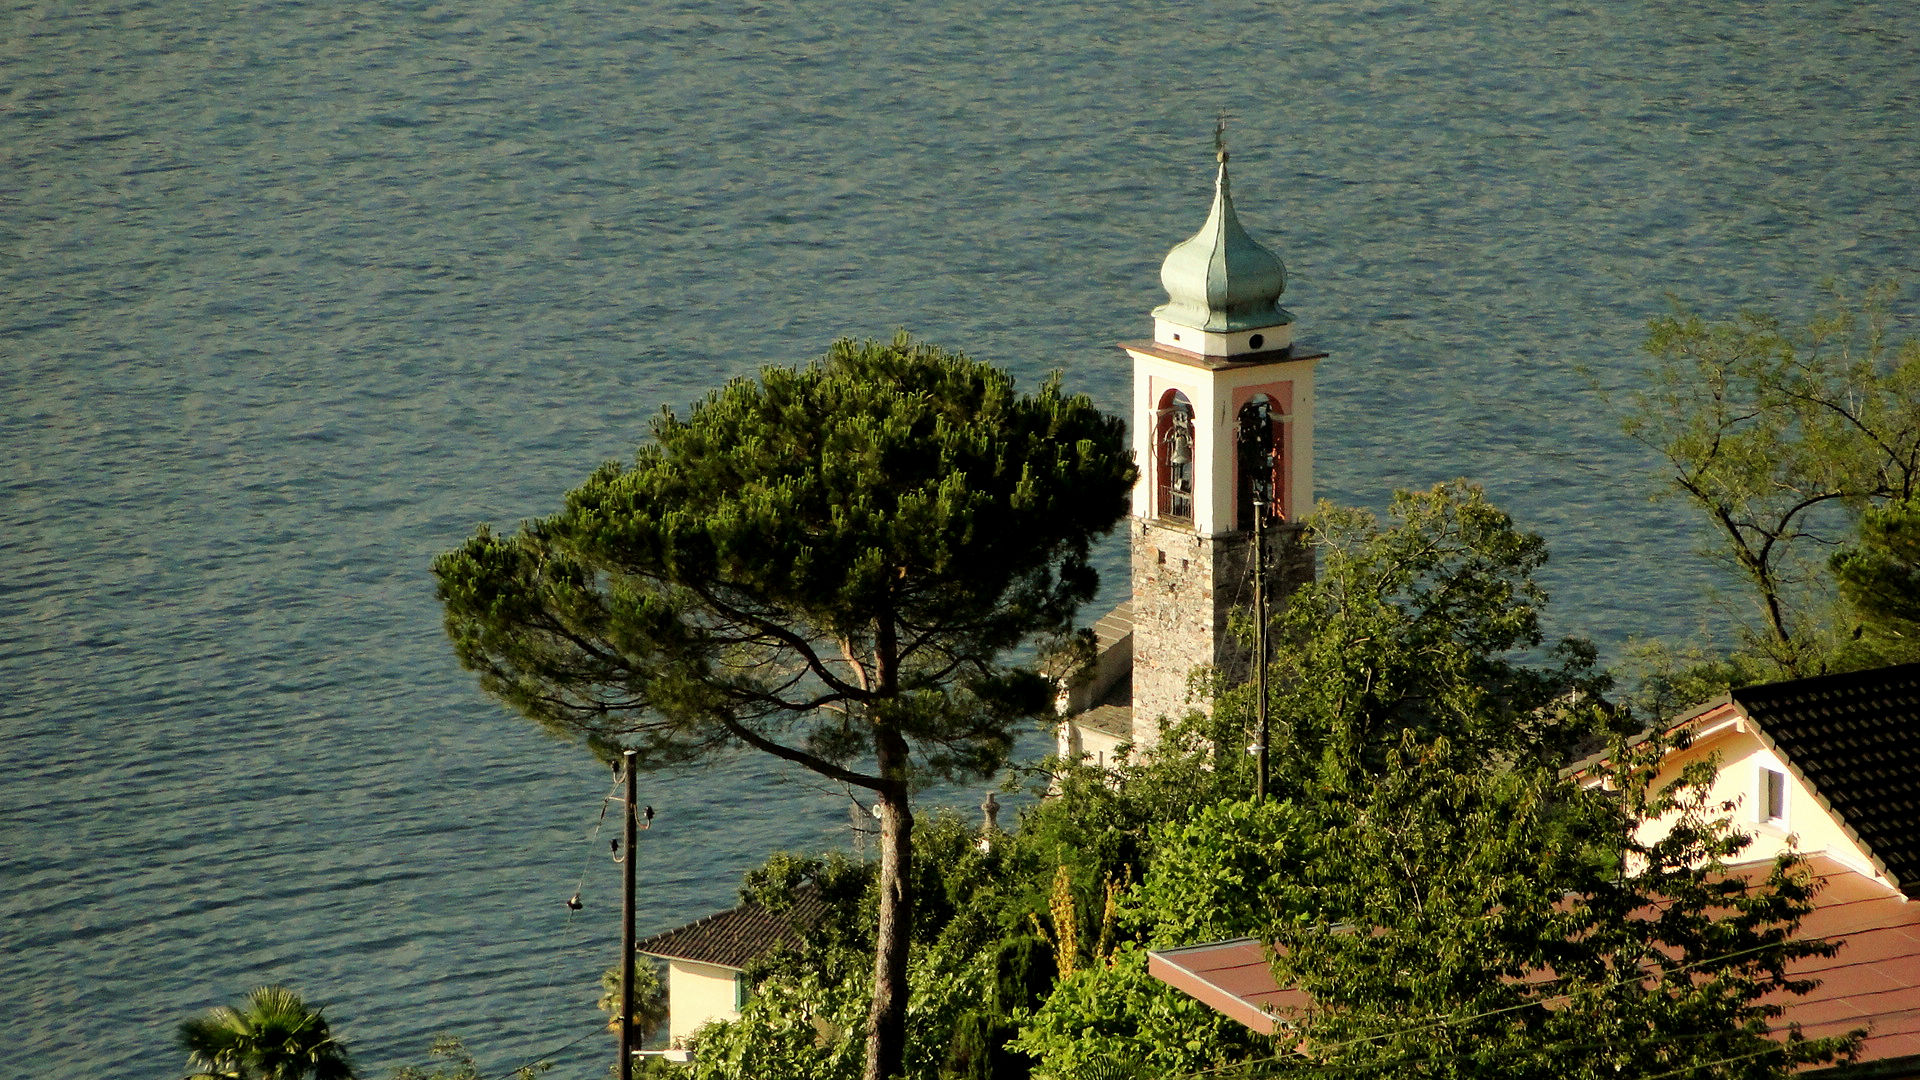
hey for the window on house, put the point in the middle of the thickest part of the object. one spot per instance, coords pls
(1173, 454)
(1773, 796)
(739, 990)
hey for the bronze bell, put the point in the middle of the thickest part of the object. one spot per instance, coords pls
(1181, 451)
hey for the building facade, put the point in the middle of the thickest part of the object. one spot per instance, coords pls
(1222, 421)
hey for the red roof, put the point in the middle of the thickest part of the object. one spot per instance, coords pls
(1873, 982)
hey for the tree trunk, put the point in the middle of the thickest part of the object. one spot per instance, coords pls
(887, 1022)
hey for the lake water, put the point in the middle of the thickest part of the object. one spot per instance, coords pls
(292, 295)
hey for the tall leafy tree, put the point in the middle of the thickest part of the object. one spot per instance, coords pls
(1451, 904)
(274, 1035)
(1780, 436)
(1427, 621)
(830, 564)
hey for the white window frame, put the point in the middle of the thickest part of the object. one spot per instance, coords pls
(1766, 777)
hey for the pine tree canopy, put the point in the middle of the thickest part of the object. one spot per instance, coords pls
(830, 564)
(804, 557)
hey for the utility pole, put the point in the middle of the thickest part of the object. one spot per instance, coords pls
(1260, 649)
(626, 925)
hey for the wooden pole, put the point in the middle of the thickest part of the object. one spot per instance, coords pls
(1260, 649)
(626, 926)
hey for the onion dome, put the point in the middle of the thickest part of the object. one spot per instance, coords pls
(1221, 279)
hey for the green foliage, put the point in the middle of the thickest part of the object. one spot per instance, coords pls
(974, 964)
(1421, 722)
(274, 1035)
(458, 1064)
(804, 558)
(839, 947)
(831, 565)
(1780, 436)
(1451, 922)
(793, 1026)
(1116, 1019)
(649, 999)
(1099, 822)
(1879, 578)
(1420, 624)
(1667, 679)
(1020, 975)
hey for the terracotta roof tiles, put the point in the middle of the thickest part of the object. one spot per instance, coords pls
(1870, 983)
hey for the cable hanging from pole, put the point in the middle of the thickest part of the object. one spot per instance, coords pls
(573, 902)
(1260, 506)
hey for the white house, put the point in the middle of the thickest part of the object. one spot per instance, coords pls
(707, 958)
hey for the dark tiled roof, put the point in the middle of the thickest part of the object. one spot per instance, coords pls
(1855, 738)
(736, 937)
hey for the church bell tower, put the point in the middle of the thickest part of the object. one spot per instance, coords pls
(1222, 430)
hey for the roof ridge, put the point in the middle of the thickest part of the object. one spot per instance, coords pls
(736, 936)
(1817, 683)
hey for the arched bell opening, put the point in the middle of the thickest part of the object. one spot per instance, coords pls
(1260, 461)
(1173, 457)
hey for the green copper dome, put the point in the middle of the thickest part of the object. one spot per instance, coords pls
(1221, 279)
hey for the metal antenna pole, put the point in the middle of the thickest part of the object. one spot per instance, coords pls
(1260, 649)
(626, 926)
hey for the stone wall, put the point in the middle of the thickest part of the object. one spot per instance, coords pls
(1187, 590)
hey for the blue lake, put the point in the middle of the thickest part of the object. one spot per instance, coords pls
(292, 295)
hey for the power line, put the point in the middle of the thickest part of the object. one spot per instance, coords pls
(538, 1058)
(1711, 1064)
(573, 902)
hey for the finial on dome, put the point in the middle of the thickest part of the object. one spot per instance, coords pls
(1221, 279)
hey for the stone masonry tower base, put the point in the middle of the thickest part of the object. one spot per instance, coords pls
(1192, 605)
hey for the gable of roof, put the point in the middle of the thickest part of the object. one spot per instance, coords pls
(738, 936)
(1855, 739)
(1586, 765)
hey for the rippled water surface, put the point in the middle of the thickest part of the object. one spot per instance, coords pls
(294, 294)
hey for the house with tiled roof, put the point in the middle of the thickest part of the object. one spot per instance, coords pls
(707, 959)
(1832, 761)
(1826, 766)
